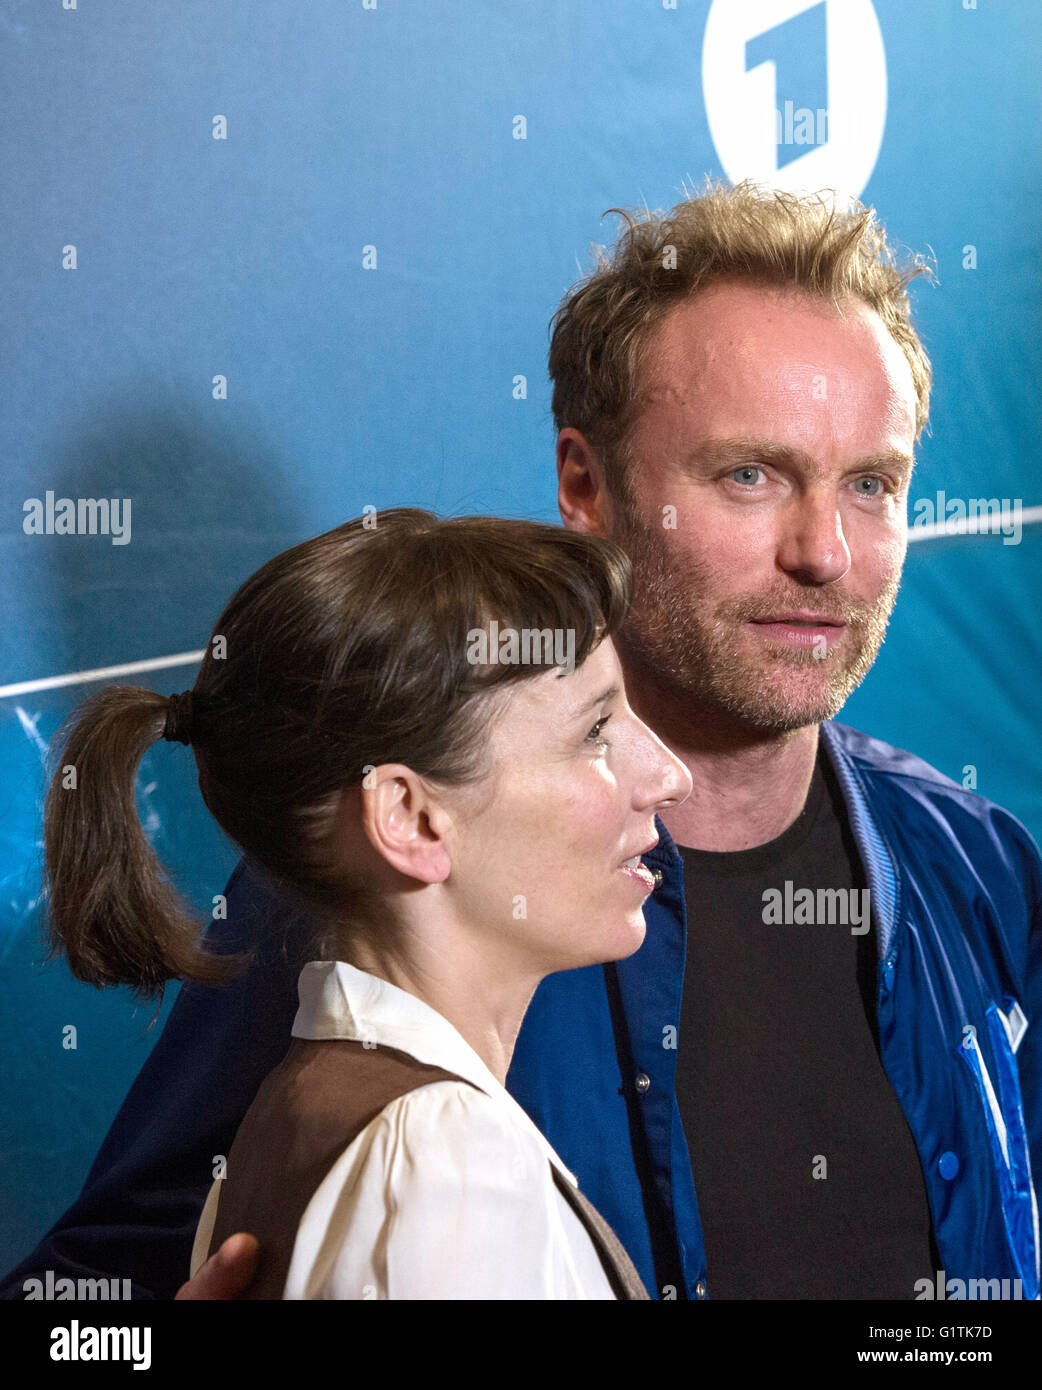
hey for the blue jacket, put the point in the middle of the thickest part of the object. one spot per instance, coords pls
(956, 893)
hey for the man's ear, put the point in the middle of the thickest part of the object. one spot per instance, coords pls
(583, 498)
(405, 823)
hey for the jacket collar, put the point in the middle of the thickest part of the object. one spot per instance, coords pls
(876, 855)
(880, 863)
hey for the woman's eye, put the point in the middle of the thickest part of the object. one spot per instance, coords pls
(594, 734)
(746, 475)
(870, 480)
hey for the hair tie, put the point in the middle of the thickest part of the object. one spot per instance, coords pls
(178, 727)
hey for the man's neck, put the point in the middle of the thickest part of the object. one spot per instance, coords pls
(748, 784)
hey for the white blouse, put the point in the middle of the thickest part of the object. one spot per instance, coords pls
(447, 1193)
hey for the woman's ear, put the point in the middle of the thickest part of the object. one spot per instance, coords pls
(405, 823)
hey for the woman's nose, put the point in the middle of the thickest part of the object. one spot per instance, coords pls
(665, 780)
(676, 780)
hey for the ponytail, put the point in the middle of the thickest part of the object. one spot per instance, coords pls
(111, 911)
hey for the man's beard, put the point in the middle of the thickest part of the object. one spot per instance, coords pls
(687, 641)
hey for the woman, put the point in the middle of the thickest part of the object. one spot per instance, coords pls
(465, 812)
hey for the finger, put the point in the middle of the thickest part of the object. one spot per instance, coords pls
(226, 1273)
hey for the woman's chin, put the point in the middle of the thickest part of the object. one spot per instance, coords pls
(638, 933)
(619, 940)
(627, 942)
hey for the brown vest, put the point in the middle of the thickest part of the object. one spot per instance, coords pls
(308, 1110)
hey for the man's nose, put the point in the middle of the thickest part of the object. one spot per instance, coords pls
(812, 545)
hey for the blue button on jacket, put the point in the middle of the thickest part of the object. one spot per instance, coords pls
(956, 894)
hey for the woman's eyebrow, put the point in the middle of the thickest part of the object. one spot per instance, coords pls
(608, 694)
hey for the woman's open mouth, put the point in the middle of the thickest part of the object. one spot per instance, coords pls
(639, 873)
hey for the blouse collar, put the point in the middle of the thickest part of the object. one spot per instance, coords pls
(337, 1000)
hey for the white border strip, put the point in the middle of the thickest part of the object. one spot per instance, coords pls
(970, 525)
(102, 673)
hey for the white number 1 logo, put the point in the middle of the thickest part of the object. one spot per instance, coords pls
(795, 91)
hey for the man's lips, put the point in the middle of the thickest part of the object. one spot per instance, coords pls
(808, 619)
(801, 629)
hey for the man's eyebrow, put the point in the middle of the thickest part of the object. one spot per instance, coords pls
(600, 699)
(893, 458)
(716, 451)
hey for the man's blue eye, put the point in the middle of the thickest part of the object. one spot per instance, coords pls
(741, 475)
(867, 479)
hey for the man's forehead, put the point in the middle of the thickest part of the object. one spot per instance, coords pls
(738, 359)
(730, 314)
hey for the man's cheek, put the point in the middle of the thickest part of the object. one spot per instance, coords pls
(743, 551)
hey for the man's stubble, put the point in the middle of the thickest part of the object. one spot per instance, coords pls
(689, 644)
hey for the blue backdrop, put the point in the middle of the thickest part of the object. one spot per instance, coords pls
(264, 264)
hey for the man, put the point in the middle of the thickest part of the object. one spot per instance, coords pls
(833, 1031)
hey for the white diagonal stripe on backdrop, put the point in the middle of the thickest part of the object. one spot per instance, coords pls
(103, 673)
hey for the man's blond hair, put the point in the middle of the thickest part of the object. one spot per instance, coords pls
(601, 330)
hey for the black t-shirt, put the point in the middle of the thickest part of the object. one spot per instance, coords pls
(808, 1179)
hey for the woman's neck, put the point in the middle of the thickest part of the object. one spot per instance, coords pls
(484, 1000)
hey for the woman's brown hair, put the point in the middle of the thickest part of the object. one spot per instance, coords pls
(340, 654)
